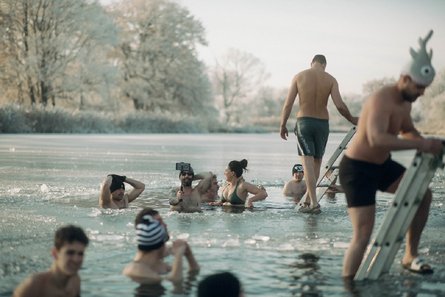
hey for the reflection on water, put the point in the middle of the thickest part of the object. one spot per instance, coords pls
(50, 180)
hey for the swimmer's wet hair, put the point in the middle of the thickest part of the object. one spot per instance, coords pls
(70, 234)
(320, 59)
(238, 167)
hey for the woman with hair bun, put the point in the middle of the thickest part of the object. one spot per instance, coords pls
(236, 191)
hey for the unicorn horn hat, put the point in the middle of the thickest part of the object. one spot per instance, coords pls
(419, 68)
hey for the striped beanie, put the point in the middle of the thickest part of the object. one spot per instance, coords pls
(150, 234)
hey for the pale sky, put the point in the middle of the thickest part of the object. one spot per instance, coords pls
(361, 39)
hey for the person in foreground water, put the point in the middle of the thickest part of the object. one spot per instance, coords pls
(367, 165)
(62, 279)
(148, 266)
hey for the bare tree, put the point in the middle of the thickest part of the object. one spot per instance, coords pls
(237, 76)
(44, 41)
(159, 61)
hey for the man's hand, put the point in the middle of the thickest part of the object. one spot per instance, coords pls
(354, 120)
(283, 132)
(433, 146)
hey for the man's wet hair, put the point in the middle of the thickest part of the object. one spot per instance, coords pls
(69, 234)
(320, 59)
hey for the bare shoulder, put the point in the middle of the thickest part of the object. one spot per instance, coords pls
(141, 273)
(382, 97)
(31, 286)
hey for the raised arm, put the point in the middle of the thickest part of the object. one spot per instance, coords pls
(105, 194)
(340, 105)
(287, 108)
(138, 188)
(179, 247)
(205, 181)
(193, 264)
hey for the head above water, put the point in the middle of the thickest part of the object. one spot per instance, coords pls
(69, 234)
(297, 168)
(238, 167)
(150, 234)
(419, 68)
(320, 59)
(223, 284)
(189, 171)
(117, 182)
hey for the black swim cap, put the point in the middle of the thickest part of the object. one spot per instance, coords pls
(297, 168)
(117, 182)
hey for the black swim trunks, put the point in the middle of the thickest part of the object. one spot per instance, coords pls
(361, 180)
(312, 136)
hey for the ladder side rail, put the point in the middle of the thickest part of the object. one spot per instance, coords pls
(398, 216)
(336, 153)
(423, 187)
(339, 150)
(391, 245)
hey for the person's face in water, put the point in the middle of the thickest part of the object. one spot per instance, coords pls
(69, 258)
(118, 194)
(298, 175)
(186, 178)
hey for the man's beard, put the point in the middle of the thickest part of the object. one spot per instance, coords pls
(408, 97)
(186, 182)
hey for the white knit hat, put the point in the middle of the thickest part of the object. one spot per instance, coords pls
(419, 68)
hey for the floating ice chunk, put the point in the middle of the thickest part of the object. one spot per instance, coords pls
(184, 236)
(261, 237)
(231, 243)
(44, 188)
(250, 241)
(14, 190)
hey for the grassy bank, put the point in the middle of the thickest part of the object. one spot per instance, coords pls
(15, 119)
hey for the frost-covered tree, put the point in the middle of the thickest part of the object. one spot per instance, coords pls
(236, 77)
(159, 61)
(47, 45)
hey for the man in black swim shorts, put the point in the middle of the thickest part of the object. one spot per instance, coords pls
(367, 165)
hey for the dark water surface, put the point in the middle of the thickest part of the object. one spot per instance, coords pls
(50, 180)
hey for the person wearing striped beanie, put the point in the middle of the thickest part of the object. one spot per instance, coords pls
(148, 266)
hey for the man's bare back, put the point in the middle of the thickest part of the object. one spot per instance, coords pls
(314, 86)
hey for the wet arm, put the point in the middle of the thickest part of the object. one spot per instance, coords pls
(287, 108)
(340, 105)
(178, 249)
(138, 188)
(205, 183)
(193, 264)
(105, 194)
(259, 193)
